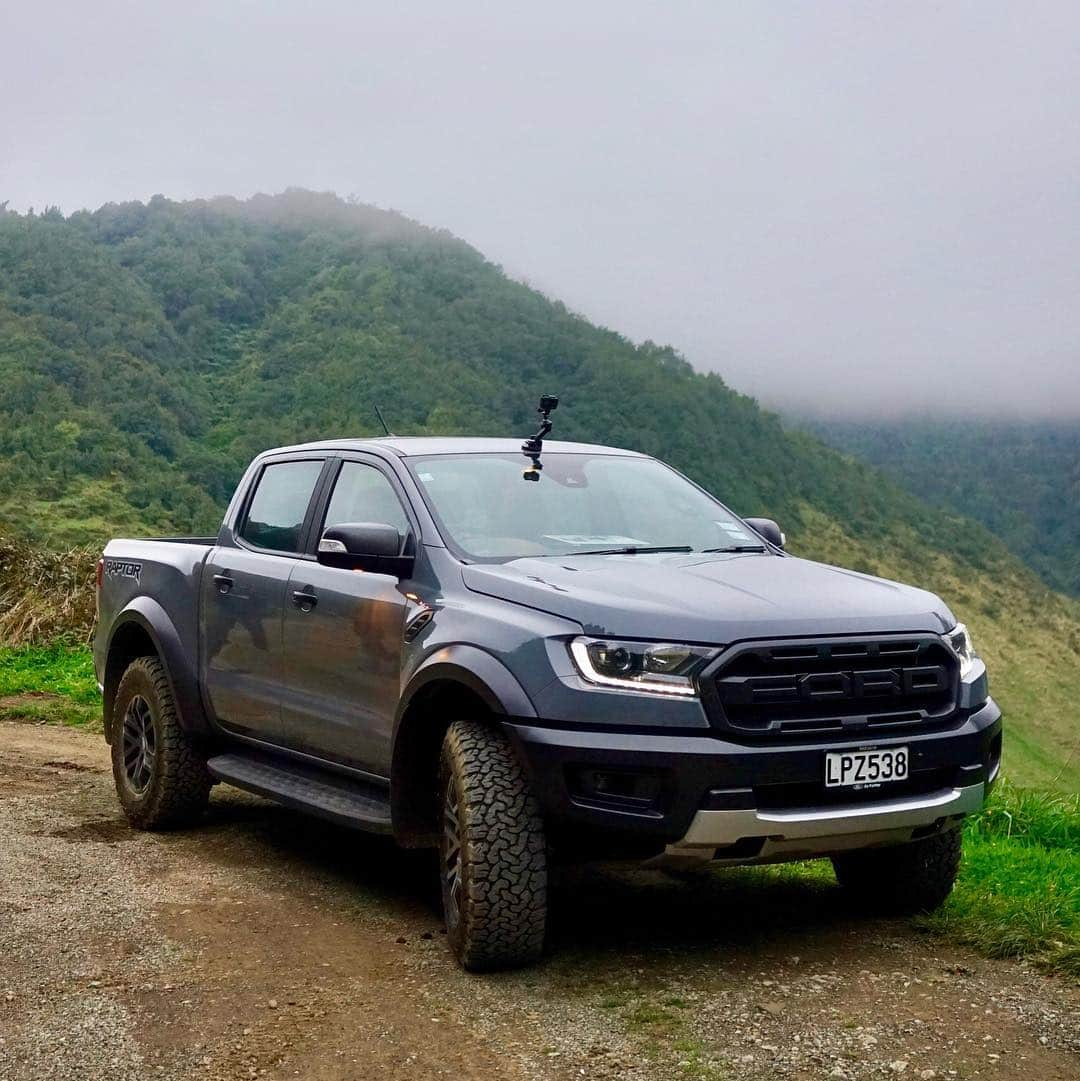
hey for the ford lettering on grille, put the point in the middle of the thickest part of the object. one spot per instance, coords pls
(828, 686)
(788, 688)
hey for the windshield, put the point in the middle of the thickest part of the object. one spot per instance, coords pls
(581, 503)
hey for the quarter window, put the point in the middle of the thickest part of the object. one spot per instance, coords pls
(275, 519)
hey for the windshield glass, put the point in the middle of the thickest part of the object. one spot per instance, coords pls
(581, 503)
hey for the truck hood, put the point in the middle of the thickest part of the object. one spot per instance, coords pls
(714, 599)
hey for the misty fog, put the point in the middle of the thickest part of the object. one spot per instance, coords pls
(842, 208)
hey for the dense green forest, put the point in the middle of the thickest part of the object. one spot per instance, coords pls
(1021, 480)
(147, 351)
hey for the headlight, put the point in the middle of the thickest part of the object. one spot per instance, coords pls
(960, 641)
(662, 668)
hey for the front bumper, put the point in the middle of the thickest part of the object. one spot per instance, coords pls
(804, 833)
(693, 797)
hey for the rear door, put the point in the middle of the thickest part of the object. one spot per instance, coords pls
(243, 595)
(343, 632)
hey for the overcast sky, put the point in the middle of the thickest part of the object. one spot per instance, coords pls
(840, 207)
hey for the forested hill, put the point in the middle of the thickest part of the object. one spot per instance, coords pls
(1021, 480)
(147, 351)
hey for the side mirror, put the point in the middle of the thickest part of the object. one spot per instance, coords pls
(365, 546)
(769, 530)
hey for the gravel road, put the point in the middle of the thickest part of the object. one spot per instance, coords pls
(267, 945)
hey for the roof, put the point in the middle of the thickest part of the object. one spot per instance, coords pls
(413, 446)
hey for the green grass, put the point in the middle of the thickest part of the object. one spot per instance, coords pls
(49, 683)
(1019, 888)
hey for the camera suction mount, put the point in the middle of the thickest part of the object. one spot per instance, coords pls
(533, 446)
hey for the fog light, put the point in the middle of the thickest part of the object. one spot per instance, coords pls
(627, 789)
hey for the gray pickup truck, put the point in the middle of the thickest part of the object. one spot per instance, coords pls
(400, 635)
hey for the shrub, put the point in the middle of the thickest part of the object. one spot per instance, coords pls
(45, 596)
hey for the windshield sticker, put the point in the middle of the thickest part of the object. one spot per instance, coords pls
(735, 531)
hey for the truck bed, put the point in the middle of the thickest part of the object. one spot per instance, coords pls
(165, 572)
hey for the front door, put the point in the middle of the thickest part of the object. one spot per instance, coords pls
(243, 596)
(343, 637)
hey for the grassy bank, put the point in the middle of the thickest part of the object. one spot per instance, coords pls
(1019, 891)
(49, 683)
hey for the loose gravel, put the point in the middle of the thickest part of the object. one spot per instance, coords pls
(267, 945)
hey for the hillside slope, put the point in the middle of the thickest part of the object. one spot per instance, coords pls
(147, 351)
(1021, 480)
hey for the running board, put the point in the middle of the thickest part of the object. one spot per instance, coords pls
(329, 795)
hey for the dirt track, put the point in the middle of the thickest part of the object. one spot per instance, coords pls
(269, 945)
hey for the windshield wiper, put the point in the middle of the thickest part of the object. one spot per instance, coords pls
(738, 548)
(630, 550)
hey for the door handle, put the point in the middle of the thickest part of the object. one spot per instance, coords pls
(303, 600)
(223, 582)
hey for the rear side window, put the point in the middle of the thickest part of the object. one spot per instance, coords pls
(275, 519)
(363, 494)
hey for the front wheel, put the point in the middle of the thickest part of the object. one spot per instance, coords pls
(160, 773)
(493, 857)
(902, 879)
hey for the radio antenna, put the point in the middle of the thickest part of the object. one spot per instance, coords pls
(378, 413)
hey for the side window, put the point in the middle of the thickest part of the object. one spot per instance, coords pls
(363, 494)
(275, 518)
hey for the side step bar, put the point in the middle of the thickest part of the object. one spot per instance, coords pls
(339, 799)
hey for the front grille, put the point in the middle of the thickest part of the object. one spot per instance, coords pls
(831, 687)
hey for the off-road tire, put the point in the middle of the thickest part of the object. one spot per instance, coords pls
(903, 879)
(496, 911)
(178, 785)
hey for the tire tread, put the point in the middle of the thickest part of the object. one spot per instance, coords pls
(903, 879)
(504, 912)
(178, 795)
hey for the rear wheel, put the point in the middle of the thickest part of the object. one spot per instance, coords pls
(903, 879)
(493, 858)
(159, 771)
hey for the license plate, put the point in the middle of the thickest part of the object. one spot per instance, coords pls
(854, 769)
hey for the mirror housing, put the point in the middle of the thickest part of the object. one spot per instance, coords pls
(365, 546)
(769, 530)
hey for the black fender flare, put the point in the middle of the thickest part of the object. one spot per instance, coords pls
(415, 749)
(147, 614)
(476, 669)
